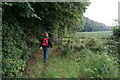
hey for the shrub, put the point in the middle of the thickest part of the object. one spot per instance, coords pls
(15, 51)
(95, 45)
(116, 32)
(77, 45)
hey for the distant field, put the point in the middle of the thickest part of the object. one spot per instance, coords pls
(98, 34)
(85, 35)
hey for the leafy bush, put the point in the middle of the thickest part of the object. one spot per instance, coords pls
(95, 45)
(116, 32)
(66, 49)
(15, 51)
(13, 67)
(76, 45)
(116, 38)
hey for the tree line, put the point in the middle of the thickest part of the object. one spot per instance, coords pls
(90, 25)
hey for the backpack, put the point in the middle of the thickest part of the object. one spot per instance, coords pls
(45, 42)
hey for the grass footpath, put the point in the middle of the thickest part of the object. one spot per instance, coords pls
(57, 67)
(35, 66)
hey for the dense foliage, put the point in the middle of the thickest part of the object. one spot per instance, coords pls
(116, 36)
(116, 32)
(24, 23)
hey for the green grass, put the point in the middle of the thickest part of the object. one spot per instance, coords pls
(98, 34)
(35, 70)
(60, 67)
(91, 66)
(101, 35)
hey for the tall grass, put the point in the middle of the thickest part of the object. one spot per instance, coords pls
(86, 59)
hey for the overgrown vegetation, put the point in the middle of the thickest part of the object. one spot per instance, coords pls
(79, 61)
(24, 23)
(80, 58)
(116, 35)
(90, 59)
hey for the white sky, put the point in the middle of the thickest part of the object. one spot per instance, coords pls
(103, 11)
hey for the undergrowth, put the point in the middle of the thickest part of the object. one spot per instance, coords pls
(84, 59)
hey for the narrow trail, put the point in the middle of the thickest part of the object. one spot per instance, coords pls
(35, 64)
(32, 61)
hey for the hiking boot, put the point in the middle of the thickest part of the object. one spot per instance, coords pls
(45, 63)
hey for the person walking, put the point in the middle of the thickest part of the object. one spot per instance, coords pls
(46, 44)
